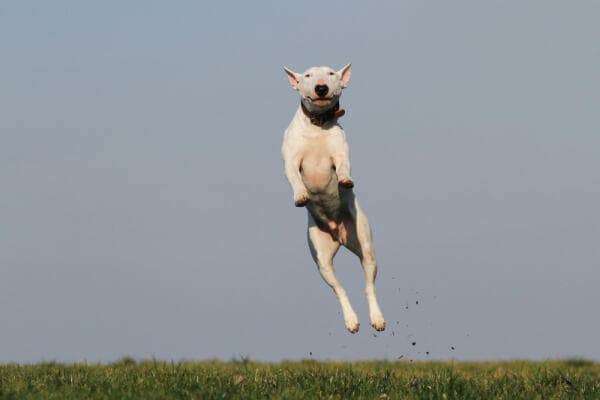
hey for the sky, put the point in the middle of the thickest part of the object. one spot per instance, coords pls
(144, 211)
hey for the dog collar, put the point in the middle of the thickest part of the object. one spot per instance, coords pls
(323, 118)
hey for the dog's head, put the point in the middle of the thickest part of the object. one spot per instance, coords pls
(320, 87)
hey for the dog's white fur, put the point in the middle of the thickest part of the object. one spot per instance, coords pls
(317, 166)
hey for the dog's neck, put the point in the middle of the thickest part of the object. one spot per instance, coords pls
(320, 119)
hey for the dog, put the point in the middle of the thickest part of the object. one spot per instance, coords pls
(317, 166)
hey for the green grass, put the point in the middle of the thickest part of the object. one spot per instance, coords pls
(128, 379)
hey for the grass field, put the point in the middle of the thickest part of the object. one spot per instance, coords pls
(128, 379)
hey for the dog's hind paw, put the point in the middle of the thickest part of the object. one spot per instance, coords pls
(352, 323)
(378, 324)
(353, 328)
(301, 199)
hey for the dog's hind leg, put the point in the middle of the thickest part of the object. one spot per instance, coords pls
(358, 240)
(323, 248)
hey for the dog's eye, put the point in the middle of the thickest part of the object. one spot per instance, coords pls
(332, 73)
(307, 76)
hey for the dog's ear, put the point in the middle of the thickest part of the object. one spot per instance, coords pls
(293, 77)
(344, 74)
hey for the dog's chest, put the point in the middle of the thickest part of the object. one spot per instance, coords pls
(317, 166)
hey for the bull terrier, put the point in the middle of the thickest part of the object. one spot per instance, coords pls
(317, 165)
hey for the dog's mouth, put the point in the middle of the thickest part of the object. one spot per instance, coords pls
(320, 100)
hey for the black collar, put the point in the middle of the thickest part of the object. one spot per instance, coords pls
(322, 118)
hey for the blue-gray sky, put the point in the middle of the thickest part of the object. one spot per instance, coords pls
(144, 210)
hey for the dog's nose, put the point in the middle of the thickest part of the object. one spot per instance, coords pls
(321, 90)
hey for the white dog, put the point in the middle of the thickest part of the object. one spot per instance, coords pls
(317, 166)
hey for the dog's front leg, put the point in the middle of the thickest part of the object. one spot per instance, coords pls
(341, 160)
(292, 171)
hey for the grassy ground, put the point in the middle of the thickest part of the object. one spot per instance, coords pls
(128, 379)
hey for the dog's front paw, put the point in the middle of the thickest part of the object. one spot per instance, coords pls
(301, 199)
(346, 181)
